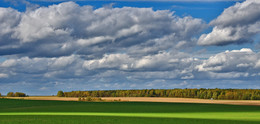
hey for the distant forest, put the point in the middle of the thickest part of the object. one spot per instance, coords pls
(231, 94)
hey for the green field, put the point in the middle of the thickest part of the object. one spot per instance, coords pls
(42, 112)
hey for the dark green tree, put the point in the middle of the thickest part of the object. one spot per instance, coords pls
(60, 94)
(19, 94)
(10, 94)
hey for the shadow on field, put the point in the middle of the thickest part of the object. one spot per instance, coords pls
(12, 105)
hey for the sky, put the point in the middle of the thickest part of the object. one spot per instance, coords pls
(52, 45)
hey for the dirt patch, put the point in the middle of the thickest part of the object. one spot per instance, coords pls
(148, 99)
(184, 100)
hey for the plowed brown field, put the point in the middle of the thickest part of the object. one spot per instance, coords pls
(184, 100)
(149, 99)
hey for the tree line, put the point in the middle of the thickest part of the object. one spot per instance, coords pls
(16, 94)
(231, 94)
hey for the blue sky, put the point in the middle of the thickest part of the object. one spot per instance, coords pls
(197, 9)
(46, 46)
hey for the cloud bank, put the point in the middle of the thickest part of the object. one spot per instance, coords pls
(67, 28)
(236, 25)
(71, 47)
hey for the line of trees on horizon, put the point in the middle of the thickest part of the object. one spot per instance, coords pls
(229, 94)
(16, 94)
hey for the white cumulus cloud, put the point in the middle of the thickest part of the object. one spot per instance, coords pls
(2, 75)
(236, 25)
(67, 28)
(231, 64)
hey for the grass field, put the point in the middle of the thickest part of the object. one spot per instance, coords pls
(32, 111)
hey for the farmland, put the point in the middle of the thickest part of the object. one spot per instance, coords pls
(147, 99)
(37, 111)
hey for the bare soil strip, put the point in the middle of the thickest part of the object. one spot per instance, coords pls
(149, 99)
(184, 100)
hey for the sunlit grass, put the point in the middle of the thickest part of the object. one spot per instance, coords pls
(245, 116)
(40, 112)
